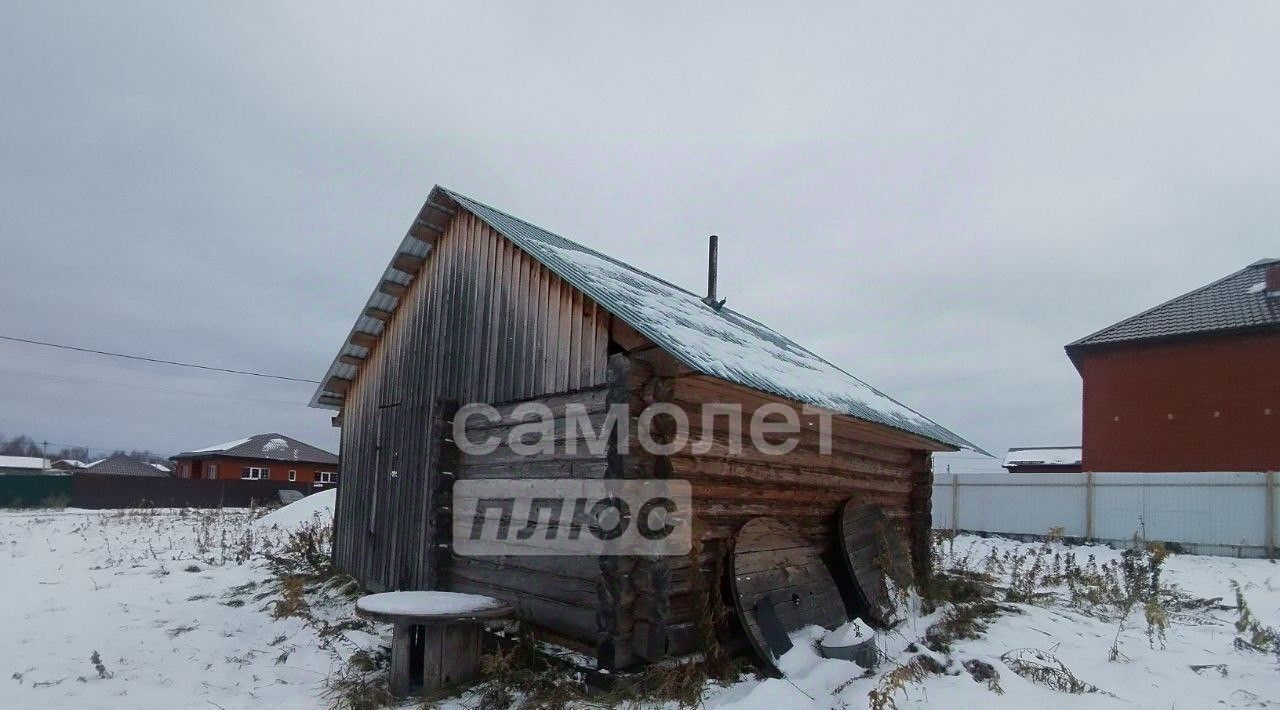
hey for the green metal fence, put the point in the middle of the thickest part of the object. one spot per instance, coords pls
(27, 491)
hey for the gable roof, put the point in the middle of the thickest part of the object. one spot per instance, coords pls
(721, 343)
(122, 465)
(270, 447)
(1235, 302)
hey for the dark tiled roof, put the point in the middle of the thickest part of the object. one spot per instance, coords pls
(122, 465)
(1235, 302)
(271, 447)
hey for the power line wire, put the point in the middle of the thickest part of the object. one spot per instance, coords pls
(168, 390)
(143, 358)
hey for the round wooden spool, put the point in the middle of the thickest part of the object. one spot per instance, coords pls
(872, 549)
(447, 636)
(770, 560)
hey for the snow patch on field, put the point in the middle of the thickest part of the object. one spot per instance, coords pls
(314, 509)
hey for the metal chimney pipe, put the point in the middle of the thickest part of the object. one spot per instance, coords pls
(713, 258)
(713, 266)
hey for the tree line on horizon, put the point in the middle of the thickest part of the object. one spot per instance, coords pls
(24, 445)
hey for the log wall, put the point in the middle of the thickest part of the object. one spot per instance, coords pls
(804, 488)
(557, 592)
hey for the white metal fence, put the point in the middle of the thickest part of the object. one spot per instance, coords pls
(1204, 513)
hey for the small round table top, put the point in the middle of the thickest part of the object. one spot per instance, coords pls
(431, 607)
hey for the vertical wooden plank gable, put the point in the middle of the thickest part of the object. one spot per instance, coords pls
(481, 321)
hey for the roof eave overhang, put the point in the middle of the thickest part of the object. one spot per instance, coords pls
(187, 455)
(388, 294)
(901, 437)
(1078, 350)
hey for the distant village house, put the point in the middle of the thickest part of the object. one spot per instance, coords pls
(262, 457)
(125, 465)
(68, 465)
(10, 465)
(1043, 459)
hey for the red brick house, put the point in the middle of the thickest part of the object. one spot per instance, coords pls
(1190, 385)
(263, 457)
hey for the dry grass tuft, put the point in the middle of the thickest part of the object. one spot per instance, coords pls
(1043, 668)
(1253, 635)
(360, 684)
(898, 680)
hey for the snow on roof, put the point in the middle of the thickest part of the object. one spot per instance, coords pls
(161, 467)
(31, 462)
(1043, 456)
(731, 346)
(718, 342)
(74, 463)
(274, 447)
(223, 447)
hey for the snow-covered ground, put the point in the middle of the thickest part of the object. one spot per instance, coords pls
(1197, 666)
(166, 599)
(177, 607)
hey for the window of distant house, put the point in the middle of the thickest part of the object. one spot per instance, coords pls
(327, 477)
(293, 475)
(254, 473)
(212, 471)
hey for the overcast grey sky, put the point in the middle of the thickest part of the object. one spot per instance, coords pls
(936, 198)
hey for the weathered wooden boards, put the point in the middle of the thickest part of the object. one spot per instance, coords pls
(873, 551)
(480, 322)
(771, 561)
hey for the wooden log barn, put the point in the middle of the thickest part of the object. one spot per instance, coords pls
(479, 306)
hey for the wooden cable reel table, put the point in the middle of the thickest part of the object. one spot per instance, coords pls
(780, 584)
(444, 626)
